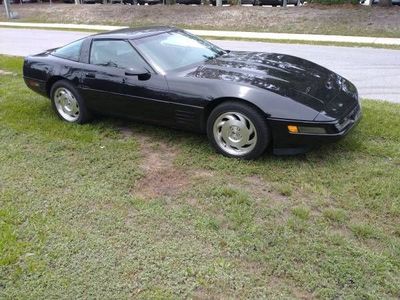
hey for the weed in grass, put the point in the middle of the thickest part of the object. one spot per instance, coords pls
(335, 215)
(285, 189)
(302, 213)
(364, 231)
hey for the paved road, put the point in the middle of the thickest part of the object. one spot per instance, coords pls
(375, 72)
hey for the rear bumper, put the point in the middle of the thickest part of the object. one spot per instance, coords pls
(39, 86)
(286, 143)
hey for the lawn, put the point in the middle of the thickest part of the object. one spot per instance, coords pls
(115, 209)
(313, 19)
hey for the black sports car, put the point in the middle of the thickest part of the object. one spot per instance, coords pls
(245, 101)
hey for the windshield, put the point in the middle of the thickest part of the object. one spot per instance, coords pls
(176, 49)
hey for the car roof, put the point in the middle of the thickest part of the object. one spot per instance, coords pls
(135, 33)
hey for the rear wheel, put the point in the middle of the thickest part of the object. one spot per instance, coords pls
(238, 130)
(68, 104)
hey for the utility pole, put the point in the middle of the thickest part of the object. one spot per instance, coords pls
(219, 2)
(8, 9)
(284, 3)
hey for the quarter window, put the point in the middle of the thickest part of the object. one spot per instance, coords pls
(71, 51)
(114, 53)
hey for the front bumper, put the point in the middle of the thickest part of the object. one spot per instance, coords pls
(286, 143)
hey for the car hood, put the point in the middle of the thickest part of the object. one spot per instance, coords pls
(286, 75)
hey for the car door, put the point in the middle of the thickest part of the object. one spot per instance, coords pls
(114, 84)
(148, 98)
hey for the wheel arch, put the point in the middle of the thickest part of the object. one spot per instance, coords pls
(51, 81)
(214, 103)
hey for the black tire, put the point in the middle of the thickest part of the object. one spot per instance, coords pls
(251, 113)
(84, 114)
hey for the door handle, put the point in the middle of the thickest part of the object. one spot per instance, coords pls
(90, 75)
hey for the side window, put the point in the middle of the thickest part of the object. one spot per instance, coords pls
(71, 51)
(114, 53)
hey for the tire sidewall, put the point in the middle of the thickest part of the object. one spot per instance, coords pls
(83, 113)
(258, 120)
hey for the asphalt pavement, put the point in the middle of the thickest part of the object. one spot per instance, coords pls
(375, 72)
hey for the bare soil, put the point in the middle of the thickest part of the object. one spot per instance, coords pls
(316, 19)
(162, 178)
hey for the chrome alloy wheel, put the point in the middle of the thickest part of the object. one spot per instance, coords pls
(235, 133)
(66, 104)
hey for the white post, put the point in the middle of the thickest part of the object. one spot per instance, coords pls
(8, 9)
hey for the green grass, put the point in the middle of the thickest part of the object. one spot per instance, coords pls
(74, 222)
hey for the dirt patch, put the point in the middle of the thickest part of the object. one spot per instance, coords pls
(315, 19)
(162, 178)
(261, 189)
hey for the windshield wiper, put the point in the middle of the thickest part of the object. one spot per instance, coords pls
(211, 56)
(109, 64)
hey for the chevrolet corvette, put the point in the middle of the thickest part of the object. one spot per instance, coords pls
(245, 102)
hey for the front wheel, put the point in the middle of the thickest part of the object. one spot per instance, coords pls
(238, 130)
(67, 103)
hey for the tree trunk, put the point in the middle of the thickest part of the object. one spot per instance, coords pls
(284, 3)
(219, 2)
(385, 2)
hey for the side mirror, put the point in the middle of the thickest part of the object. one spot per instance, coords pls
(141, 73)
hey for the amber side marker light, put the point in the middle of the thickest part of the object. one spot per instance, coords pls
(306, 129)
(293, 129)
